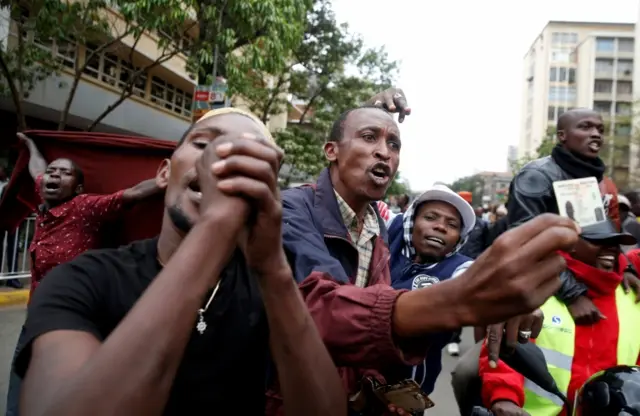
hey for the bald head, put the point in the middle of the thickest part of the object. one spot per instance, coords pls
(568, 118)
(580, 131)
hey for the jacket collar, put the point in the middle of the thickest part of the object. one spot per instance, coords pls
(326, 206)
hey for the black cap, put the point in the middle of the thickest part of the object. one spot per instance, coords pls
(604, 233)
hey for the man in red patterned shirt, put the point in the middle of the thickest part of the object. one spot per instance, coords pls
(68, 221)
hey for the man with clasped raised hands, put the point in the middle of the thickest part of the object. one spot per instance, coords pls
(184, 323)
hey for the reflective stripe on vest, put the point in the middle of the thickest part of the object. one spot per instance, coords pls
(557, 342)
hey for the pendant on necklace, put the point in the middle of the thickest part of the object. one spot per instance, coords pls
(202, 325)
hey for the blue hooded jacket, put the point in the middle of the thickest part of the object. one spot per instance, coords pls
(405, 274)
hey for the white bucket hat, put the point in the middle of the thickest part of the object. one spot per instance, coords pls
(442, 193)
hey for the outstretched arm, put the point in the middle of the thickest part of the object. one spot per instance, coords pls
(37, 164)
(141, 191)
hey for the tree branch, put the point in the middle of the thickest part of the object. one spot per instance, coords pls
(310, 103)
(64, 115)
(15, 95)
(274, 96)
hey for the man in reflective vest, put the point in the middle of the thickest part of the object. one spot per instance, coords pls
(574, 352)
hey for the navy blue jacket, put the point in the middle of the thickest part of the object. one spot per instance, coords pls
(405, 274)
(355, 323)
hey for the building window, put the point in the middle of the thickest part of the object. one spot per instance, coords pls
(624, 87)
(605, 44)
(169, 97)
(92, 62)
(559, 38)
(562, 74)
(625, 67)
(572, 76)
(553, 113)
(560, 56)
(553, 74)
(602, 107)
(562, 94)
(129, 75)
(110, 70)
(623, 130)
(623, 109)
(561, 110)
(603, 87)
(604, 66)
(625, 45)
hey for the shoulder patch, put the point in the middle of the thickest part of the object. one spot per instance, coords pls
(532, 183)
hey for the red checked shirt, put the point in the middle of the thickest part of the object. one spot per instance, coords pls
(69, 229)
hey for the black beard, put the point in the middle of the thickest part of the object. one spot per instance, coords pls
(179, 219)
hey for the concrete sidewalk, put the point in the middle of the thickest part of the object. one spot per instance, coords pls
(10, 297)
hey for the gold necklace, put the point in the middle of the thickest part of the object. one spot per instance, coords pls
(201, 326)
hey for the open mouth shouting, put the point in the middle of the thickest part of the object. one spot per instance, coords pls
(607, 259)
(52, 186)
(193, 190)
(435, 242)
(380, 173)
(595, 145)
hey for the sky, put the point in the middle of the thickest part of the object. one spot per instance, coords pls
(461, 70)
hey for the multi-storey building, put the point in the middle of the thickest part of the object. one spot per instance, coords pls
(580, 64)
(512, 156)
(493, 186)
(160, 106)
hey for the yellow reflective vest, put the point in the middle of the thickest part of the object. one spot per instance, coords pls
(557, 342)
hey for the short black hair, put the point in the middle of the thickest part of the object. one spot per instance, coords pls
(79, 173)
(337, 129)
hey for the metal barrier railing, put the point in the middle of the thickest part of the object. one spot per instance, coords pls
(14, 261)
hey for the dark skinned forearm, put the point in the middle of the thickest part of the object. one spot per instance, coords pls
(141, 191)
(37, 163)
(307, 376)
(133, 370)
(428, 310)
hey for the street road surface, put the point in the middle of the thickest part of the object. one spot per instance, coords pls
(11, 320)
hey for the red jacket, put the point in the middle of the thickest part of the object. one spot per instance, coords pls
(355, 323)
(595, 345)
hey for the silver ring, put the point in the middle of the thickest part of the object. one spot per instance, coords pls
(524, 334)
(397, 95)
(377, 103)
